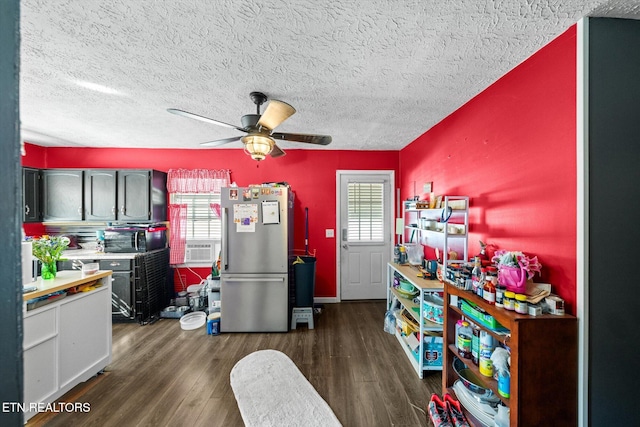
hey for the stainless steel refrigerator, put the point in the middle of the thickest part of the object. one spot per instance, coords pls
(257, 242)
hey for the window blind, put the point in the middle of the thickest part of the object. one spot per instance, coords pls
(203, 222)
(365, 212)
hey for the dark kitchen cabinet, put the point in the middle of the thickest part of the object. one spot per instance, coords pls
(123, 195)
(100, 195)
(122, 282)
(122, 287)
(31, 195)
(63, 196)
(142, 195)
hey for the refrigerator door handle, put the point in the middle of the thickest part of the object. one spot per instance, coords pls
(225, 239)
(259, 279)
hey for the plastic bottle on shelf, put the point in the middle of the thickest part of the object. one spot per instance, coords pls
(403, 255)
(480, 288)
(475, 344)
(458, 325)
(489, 289)
(464, 340)
(476, 275)
(487, 345)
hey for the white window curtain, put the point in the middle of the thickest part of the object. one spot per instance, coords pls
(197, 180)
(190, 181)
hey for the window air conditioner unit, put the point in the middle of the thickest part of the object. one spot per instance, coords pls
(200, 252)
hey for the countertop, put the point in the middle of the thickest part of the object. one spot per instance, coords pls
(411, 274)
(64, 280)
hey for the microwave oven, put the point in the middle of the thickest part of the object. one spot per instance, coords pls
(134, 239)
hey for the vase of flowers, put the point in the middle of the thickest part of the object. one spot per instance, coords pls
(48, 249)
(514, 268)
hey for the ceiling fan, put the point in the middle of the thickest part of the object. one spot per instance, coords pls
(260, 139)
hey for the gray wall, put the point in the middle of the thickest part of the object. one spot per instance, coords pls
(10, 226)
(614, 211)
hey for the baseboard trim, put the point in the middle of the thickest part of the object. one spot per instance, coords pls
(325, 300)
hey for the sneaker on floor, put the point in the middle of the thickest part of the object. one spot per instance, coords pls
(438, 412)
(455, 411)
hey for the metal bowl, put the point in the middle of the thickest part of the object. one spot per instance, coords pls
(471, 381)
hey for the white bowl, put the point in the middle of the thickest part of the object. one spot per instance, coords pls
(193, 320)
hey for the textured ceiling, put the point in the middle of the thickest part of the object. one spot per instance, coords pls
(372, 74)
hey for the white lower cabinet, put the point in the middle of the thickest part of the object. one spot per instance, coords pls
(40, 375)
(65, 343)
(84, 337)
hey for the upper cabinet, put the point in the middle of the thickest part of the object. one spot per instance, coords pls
(31, 195)
(142, 195)
(100, 195)
(122, 195)
(62, 198)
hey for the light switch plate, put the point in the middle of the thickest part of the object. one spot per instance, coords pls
(329, 232)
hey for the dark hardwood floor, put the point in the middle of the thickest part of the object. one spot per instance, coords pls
(161, 375)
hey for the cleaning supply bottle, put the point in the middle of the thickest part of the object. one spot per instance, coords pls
(214, 270)
(475, 344)
(464, 340)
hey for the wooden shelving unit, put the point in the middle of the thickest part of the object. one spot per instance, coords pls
(544, 357)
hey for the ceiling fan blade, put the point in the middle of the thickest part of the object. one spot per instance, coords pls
(277, 151)
(203, 119)
(220, 141)
(300, 137)
(276, 113)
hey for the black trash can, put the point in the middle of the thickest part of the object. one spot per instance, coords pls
(305, 281)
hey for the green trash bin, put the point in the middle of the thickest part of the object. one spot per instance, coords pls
(304, 274)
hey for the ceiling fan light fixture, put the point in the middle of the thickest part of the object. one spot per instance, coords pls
(276, 113)
(257, 146)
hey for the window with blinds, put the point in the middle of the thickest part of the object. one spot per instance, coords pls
(202, 221)
(365, 212)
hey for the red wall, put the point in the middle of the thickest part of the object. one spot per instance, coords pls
(311, 174)
(512, 149)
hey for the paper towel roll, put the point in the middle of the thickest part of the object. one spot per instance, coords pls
(27, 262)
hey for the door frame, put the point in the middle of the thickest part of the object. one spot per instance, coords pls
(391, 175)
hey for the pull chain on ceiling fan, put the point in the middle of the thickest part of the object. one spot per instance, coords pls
(260, 139)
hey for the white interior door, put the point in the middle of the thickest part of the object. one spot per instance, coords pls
(365, 206)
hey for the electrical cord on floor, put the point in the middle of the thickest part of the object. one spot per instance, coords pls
(418, 408)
